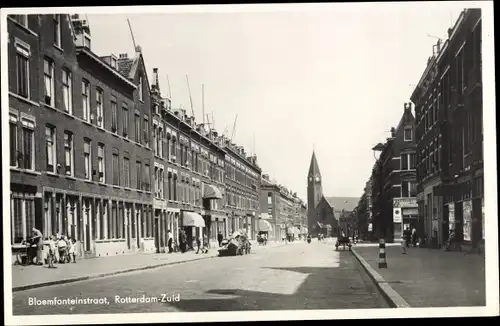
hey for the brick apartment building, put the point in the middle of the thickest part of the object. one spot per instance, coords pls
(394, 181)
(448, 105)
(242, 188)
(281, 209)
(82, 164)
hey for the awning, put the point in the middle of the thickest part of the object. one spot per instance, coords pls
(211, 192)
(263, 225)
(192, 219)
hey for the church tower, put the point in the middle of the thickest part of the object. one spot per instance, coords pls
(314, 191)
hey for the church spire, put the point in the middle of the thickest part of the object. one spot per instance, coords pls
(313, 167)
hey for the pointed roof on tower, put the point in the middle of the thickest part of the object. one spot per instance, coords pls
(313, 167)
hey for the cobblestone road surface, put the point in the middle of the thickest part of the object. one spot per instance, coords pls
(299, 276)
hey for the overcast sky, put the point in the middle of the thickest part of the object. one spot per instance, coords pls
(335, 78)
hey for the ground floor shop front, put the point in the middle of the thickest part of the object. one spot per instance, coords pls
(457, 207)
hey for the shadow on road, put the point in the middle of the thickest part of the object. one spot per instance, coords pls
(342, 287)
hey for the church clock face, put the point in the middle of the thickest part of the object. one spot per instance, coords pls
(317, 179)
(310, 179)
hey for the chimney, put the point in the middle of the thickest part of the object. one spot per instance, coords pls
(243, 152)
(265, 177)
(123, 56)
(393, 130)
(438, 45)
(214, 132)
(156, 80)
(450, 30)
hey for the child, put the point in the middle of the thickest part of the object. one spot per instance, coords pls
(72, 250)
(52, 251)
(62, 249)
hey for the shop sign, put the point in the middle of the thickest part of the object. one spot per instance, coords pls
(396, 215)
(404, 202)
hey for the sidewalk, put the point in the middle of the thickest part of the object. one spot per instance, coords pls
(430, 277)
(28, 277)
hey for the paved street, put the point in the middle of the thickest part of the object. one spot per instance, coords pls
(295, 276)
(432, 278)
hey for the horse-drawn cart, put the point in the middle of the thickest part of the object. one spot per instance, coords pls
(237, 245)
(343, 241)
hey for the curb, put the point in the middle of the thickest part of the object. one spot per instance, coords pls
(390, 295)
(95, 276)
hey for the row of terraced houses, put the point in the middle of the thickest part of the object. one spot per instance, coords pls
(429, 176)
(98, 154)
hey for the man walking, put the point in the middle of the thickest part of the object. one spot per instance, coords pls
(169, 242)
(405, 241)
(220, 237)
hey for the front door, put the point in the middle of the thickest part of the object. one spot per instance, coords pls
(157, 235)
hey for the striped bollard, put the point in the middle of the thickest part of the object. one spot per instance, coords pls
(382, 262)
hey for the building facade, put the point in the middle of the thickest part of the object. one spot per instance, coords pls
(85, 183)
(448, 102)
(286, 213)
(242, 184)
(394, 181)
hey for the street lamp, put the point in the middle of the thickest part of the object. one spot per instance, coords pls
(377, 150)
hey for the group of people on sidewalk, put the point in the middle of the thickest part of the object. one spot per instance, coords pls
(61, 248)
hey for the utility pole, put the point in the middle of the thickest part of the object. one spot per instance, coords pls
(234, 127)
(190, 97)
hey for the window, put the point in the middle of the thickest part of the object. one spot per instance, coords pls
(160, 142)
(413, 189)
(146, 130)
(85, 100)
(48, 73)
(125, 120)
(101, 163)
(147, 178)
(57, 30)
(28, 153)
(87, 162)
(14, 150)
(408, 134)
(99, 99)
(140, 89)
(68, 153)
(23, 68)
(408, 189)
(138, 170)
(155, 143)
(126, 172)
(50, 141)
(169, 185)
(114, 115)
(67, 92)
(116, 168)
(21, 19)
(408, 161)
(137, 128)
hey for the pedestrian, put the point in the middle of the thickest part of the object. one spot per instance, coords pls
(72, 250)
(198, 244)
(220, 237)
(52, 251)
(38, 240)
(404, 241)
(182, 240)
(414, 236)
(170, 241)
